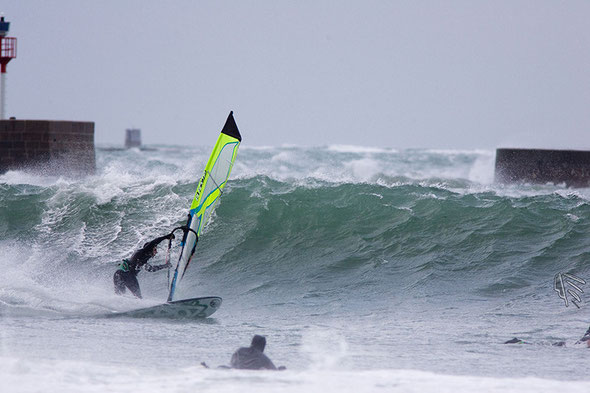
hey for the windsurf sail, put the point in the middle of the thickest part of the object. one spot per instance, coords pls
(209, 191)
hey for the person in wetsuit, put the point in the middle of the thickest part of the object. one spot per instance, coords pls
(252, 358)
(126, 275)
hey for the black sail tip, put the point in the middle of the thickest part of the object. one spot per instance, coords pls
(231, 128)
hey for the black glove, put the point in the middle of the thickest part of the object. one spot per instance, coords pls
(171, 236)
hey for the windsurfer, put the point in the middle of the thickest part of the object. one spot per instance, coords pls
(126, 275)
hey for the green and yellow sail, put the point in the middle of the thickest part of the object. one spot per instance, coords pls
(207, 197)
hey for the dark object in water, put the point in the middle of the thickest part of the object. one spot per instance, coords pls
(585, 337)
(252, 358)
(515, 341)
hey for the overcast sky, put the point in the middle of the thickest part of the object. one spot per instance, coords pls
(435, 74)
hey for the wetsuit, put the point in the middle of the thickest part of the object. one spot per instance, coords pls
(126, 276)
(252, 358)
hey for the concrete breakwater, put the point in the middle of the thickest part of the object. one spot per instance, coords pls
(541, 166)
(52, 147)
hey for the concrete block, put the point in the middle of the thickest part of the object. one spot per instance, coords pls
(571, 167)
(54, 147)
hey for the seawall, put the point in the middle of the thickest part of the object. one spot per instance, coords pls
(51, 147)
(571, 167)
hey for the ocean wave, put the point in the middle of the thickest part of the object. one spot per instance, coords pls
(331, 229)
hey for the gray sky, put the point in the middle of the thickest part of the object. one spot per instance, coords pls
(435, 74)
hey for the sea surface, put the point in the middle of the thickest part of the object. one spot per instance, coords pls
(368, 270)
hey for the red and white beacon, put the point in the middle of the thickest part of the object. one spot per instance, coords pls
(7, 53)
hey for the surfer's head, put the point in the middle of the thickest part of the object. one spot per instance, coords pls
(258, 342)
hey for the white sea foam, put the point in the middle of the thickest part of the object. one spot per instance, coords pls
(22, 375)
(325, 349)
(480, 152)
(284, 156)
(369, 165)
(260, 148)
(482, 170)
(358, 149)
(364, 169)
(37, 281)
(15, 177)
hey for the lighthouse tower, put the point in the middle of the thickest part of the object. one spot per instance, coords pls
(7, 53)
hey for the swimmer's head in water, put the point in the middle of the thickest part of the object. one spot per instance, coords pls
(258, 342)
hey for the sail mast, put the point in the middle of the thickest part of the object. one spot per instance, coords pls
(209, 191)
